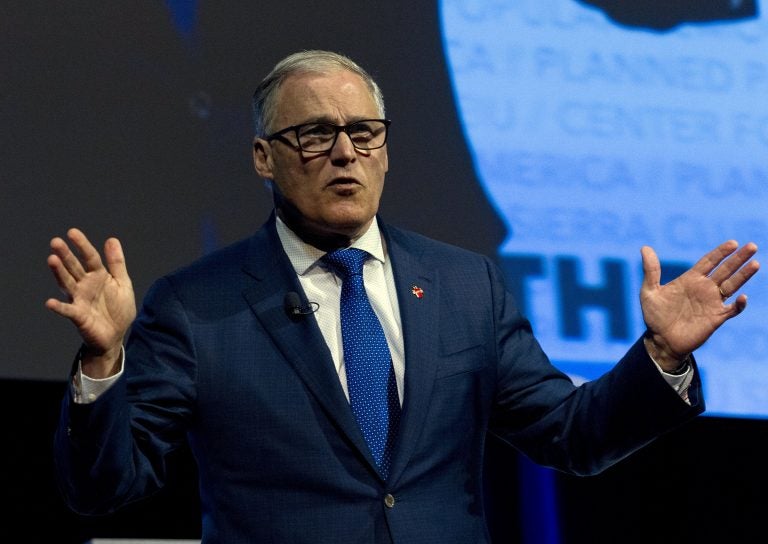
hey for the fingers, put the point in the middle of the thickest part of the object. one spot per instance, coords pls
(69, 263)
(728, 266)
(61, 308)
(739, 304)
(69, 269)
(64, 261)
(64, 279)
(735, 282)
(88, 254)
(88, 260)
(712, 263)
(736, 270)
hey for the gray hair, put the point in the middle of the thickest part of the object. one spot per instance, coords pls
(303, 62)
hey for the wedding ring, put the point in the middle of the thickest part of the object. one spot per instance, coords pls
(722, 293)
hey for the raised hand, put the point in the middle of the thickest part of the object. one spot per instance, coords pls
(682, 314)
(100, 299)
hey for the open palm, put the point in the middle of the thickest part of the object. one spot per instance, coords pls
(682, 314)
(100, 299)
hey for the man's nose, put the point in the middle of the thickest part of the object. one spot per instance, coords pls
(343, 150)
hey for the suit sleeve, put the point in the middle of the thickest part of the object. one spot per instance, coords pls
(113, 451)
(580, 430)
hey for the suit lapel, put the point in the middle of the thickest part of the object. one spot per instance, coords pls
(299, 340)
(302, 344)
(419, 318)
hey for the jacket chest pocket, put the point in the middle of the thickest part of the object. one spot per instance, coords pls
(458, 358)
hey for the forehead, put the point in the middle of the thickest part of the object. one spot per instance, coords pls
(340, 96)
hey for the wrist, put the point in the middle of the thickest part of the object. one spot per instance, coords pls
(666, 359)
(100, 364)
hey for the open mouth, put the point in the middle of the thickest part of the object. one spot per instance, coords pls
(343, 182)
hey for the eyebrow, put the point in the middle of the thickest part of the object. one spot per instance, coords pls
(328, 120)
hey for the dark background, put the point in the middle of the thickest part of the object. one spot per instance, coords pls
(120, 119)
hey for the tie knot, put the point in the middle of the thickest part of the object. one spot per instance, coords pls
(347, 261)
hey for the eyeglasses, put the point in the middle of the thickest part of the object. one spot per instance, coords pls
(365, 135)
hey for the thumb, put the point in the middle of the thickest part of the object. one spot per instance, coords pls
(651, 268)
(115, 259)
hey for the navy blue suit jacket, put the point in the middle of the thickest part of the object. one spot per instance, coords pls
(214, 359)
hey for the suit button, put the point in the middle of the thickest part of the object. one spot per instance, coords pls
(389, 501)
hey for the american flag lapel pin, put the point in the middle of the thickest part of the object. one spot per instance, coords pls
(417, 291)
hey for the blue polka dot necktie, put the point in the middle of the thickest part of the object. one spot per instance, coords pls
(370, 378)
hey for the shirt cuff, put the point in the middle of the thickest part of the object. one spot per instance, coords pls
(86, 390)
(679, 382)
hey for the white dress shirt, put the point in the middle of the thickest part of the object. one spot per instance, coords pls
(322, 286)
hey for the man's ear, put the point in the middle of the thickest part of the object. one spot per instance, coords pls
(262, 158)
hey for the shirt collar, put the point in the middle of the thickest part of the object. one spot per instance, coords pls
(304, 256)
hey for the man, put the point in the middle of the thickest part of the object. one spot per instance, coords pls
(271, 388)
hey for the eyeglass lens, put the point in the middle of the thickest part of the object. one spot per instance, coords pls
(321, 136)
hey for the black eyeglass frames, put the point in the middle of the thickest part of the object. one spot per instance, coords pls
(365, 134)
